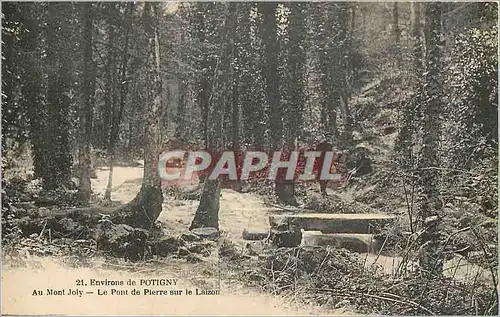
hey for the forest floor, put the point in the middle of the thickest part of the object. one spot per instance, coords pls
(247, 285)
(238, 211)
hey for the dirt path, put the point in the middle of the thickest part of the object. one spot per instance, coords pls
(237, 212)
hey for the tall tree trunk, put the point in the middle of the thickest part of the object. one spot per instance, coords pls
(406, 134)
(295, 91)
(429, 260)
(347, 71)
(352, 25)
(270, 72)
(416, 31)
(147, 205)
(117, 114)
(251, 95)
(32, 88)
(10, 14)
(331, 112)
(235, 114)
(207, 213)
(328, 63)
(86, 115)
(201, 30)
(59, 79)
(181, 109)
(346, 111)
(110, 71)
(283, 189)
(395, 25)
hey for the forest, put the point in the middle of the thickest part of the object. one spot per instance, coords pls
(94, 92)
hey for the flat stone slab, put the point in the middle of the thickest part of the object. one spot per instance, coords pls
(255, 234)
(206, 233)
(357, 242)
(334, 223)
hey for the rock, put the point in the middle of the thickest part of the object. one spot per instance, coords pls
(286, 232)
(361, 243)
(230, 250)
(165, 246)
(124, 240)
(48, 198)
(75, 181)
(389, 130)
(431, 220)
(198, 248)
(190, 237)
(20, 211)
(193, 258)
(206, 233)
(359, 158)
(41, 212)
(255, 234)
(30, 226)
(183, 251)
(249, 250)
(334, 223)
(67, 225)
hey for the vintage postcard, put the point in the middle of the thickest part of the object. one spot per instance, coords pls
(249, 158)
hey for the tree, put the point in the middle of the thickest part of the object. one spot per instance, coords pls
(207, 213)
(411, 110)
(395, 26)
(32, 88)
(203, 25)
(294, 86)
(271, 50)
(473, 97)
(147, 205)
(86, 114)
(270, 72)
(430, 204)
(333, 45)
(117, 112)
(59, 66)
(251, 93)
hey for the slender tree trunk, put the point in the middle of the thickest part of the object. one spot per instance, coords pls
(328, 62)
(270, 72)
(416, 31)
(430, 259)
(32, 88)
(10, 13)
(235, 119)
(346, 111)
(295, 87)
(406, 134)
(109, 102)
(181, 109)
(395, 25)
(284, 189)
(118, 113)
(86, 117)
(331, 111)
(206, 66)
(59, 79)
(235, 115)
(207, 213)
(147, 205)
(345, 71)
